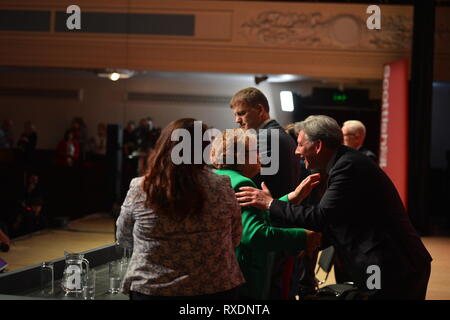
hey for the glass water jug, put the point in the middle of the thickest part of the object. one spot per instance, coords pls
(74, 272)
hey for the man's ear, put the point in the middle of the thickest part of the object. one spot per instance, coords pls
(319, 146)
(260, 108)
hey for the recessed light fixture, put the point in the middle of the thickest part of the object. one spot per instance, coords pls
(115, 75)
(287, 101)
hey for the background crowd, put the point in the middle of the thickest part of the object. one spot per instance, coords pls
(26, 211)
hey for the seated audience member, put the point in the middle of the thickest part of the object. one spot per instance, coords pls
(183, 223)
(32, 188)
(354, 133)
(27, 142)
(30, 218)
(68, 151)
(360, 213)
(259, 238)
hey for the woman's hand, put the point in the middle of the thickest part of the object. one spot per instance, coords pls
(304, 188)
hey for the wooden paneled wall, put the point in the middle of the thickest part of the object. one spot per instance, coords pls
(314, 39)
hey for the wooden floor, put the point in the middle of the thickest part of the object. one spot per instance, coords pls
(84, 234)
(98, 230)
(439, 283)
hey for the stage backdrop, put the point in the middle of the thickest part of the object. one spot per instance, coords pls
(394, 126)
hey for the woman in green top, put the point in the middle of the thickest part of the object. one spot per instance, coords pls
(234, 154)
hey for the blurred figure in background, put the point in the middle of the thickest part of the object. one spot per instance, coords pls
(79, 129)
(32, 188)
(67, 151)
(29, 218)
(354, 133)
(147, 135)
(130, 156)
(27, 142)
(98, 143)
(129, 139)
(143, 135)
(142, 144)
(7, 134)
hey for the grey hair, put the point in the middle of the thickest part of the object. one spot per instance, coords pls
(323, 128)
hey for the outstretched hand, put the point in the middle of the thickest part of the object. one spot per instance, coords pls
(304, 188)
(249, 196)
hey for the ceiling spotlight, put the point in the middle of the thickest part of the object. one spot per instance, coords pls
(115, 75)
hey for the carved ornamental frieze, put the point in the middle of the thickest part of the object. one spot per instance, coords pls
(315, 30)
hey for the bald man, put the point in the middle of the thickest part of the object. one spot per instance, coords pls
(354, 133)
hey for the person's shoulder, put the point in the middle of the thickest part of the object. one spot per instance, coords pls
(352, 158)
(136, 182)
(272, 124)
(215, 175)
(237, 179)
(136, 192)
(368, 153)
(216, 182)
(245, 182)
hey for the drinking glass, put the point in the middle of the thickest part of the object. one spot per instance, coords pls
(47, 279)
(127, 252)
(115, 276)
(89, 285)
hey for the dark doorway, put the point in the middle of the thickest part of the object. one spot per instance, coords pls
(350, 104)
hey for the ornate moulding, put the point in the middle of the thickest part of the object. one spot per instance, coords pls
(317, 30)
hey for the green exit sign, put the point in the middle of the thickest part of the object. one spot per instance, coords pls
(340, 97)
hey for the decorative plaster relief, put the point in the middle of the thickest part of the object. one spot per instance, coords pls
(313, 30)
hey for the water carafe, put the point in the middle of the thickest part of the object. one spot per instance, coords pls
(74, 272)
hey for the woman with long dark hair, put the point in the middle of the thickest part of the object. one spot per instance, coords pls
(183, 223)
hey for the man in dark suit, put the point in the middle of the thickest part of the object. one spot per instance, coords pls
(360, 213)
(280, 166)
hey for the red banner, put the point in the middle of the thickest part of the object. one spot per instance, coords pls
(394, 126)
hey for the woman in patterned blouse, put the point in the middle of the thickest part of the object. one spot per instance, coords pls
(183, 222)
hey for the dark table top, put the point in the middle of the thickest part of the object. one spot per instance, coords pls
(101, 289)
(25, 283)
